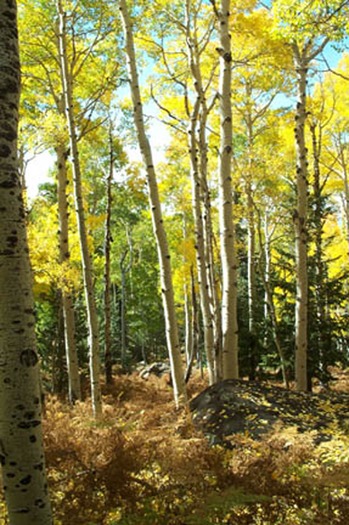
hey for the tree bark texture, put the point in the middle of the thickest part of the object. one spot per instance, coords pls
(319, 356)
(74, 386)
(21, 446)
(227, 234)
(92, 319)
(269, 310)
(172, 337)
(107, 283)
(200, 247)
(300, 224)
(198, 167)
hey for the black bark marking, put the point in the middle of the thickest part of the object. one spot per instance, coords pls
(12, 241)
(28, 424)
(32, 439)
(8, 183)
(11, 15)
(5, 151)
(8, 132)
(26, 480)
(28, 358)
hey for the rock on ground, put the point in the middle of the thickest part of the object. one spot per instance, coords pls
(237, 406)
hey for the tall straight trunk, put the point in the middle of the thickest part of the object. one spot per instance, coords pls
(21, 443)
(187, 310)
(251, 275)
(251, 249)
(269, 308)
(188, 325)
(74, 386)
(107, 283)
(251, 234)
(179, 388)
(212, 279)
(320, 264)
(94, 359)
(346, 204)
(343, 174)
(300, 224)
(123, 328)
(227, 234)
(200, 197)
(200, 247)
(195, 322)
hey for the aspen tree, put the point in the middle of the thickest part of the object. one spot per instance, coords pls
(94, 358)
(227, 234)
(21, 445)
(107, 247)
(198, 166)
(172, 337)
(199, 244)
(307, 31)
(74, 387)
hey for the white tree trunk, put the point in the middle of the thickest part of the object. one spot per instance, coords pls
(74, 386)
(92, 319)
(200, 247)
(227, 234)
(198, 167)
(300, 224)
(107, 282)
(158, 226)
(269, 306)
(21, 445)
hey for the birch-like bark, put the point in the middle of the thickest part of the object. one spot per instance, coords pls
(300, 224)
(320, 264)
(227, 234)
(21, 445)
(195, 322)
(107, 283)
(172, 337)
(212, 279)
(188, 325)
(345, 195)
(199, 245)
(189, 347)
(124, 269)
(74, 386)
(251, 234)
(201, 214)
(342, 173)
(92, 319)
(269, 305)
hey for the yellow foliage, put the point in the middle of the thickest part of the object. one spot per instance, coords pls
(44, 252)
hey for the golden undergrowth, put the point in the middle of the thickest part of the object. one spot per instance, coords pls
(145, 463)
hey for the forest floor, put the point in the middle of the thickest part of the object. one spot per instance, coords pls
(146, 463)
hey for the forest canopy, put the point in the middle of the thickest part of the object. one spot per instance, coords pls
(282, 181)
(194, 225)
